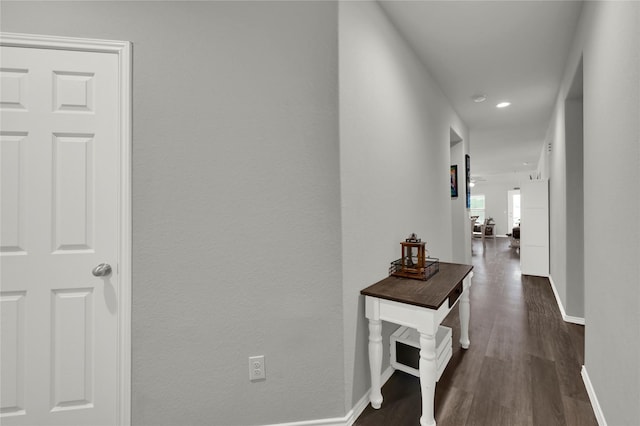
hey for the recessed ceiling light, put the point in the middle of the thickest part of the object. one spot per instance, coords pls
(479, 98)
(503, 104)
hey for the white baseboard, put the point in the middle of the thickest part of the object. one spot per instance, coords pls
(557, 296)
(565, 317)
(338, 421)
(597, 410)
(573, 320)
(351, 416)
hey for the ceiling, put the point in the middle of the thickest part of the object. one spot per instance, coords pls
(508, 50)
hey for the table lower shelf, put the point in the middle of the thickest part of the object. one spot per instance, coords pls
(405, 350)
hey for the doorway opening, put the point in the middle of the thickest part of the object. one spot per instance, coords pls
(513, 208)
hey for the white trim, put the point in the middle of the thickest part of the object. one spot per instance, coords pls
(123, 50)
(557, 296)
(338, 421)
(565, 317)
(573, 320)
(351, 416)
(597, 410)
(124, 258)
(63, 43)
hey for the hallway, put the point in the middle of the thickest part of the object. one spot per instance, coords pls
(523, 365)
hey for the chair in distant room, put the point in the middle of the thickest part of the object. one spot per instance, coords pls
(474, 226)
(515, 238)
(489, 229)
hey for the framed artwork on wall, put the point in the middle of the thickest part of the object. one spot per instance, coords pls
(454, 181)
(467, 167)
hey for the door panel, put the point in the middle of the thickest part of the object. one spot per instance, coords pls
(59, 142)
(72, 187)
(12, 192)
(72, 357)
(12, 352)
(13, 81)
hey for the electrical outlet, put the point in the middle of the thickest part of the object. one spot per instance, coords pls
(256, 368)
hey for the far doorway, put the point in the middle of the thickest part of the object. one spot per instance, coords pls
(513, 209)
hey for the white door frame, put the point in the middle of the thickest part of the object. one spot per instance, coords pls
(123, 50)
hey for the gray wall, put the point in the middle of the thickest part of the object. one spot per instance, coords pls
(574, 142)
(608, 39)
(566, 211)
(612, 200)
(460, 221)
(558, 205)
(394, 160)
(236, 203)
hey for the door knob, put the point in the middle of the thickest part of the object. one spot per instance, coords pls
(102, 270)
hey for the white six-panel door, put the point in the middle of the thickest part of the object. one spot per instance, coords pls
(60, 209)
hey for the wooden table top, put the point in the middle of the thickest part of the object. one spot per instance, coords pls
(428, 294)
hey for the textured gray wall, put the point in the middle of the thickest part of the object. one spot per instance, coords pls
(612, 202)
(608, 39)
(558, 205)
(394, 158)
(460, 223)
(566, 207)
(575, 207)
(236, 203)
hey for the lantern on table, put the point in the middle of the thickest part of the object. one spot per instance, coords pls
(414, 262)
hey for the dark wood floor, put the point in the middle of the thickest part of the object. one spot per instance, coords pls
(523, 366)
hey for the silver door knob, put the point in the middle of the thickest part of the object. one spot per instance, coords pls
(102, 270)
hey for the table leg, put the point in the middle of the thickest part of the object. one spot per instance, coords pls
(375, 361)
(427, 377)
(465, 313)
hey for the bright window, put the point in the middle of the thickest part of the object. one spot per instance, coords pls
(477, 207)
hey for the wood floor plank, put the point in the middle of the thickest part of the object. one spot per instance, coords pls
(464, 368)
(578, 413)
(509, 339)
(548, 408)
(486, 411)
(570, 380)
(402, 403)
(516, 384)
(453, 406)
(492, 380)
(576, 333)
(523, 365)
(539, 336)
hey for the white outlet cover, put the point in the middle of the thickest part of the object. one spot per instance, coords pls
(257, 368)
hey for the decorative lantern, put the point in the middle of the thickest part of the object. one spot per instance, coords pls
(414, 262)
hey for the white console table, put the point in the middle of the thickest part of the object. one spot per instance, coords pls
(422, 305)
